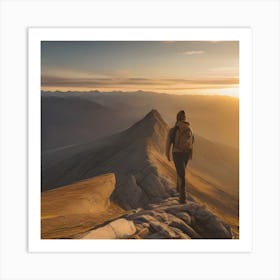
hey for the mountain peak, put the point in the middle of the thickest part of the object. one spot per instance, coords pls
(153, 112)
(152, 127)
(148, 124)
(154, 115)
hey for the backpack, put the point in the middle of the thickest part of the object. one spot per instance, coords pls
(182, 139)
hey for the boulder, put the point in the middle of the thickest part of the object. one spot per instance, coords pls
(185, 228)
(171, 220)
(118, 229)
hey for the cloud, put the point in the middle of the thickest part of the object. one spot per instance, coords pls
(169, 42)
(137, 82)
(224, 69)
(64, 73)
(194, 52)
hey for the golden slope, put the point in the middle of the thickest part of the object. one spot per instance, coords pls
(75, 208)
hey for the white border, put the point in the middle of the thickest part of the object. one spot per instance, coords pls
(243, 35)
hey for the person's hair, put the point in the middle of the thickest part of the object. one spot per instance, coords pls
(180, 116)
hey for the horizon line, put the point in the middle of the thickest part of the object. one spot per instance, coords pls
(140, 91)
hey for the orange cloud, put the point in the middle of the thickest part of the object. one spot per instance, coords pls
(194, 52)
(82, 82)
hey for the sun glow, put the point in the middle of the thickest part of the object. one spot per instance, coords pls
(234, 92)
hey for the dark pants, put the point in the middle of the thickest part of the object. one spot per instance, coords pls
(181, 160)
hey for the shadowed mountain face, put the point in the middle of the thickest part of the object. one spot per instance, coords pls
(73, 120)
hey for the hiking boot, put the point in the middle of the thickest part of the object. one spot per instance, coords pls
(182, 201)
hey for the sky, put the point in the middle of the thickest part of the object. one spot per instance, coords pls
(175, 67)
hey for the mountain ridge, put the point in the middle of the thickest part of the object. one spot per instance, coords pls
(143, 174)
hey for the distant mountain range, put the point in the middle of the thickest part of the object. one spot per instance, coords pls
(84, 116)
(72, 120)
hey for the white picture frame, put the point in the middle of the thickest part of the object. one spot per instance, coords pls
(242, 35)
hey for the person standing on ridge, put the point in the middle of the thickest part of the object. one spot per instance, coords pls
(181, 138)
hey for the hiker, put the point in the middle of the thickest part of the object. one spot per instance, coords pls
(181, 138)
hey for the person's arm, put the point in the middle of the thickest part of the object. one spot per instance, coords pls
(168, 145)
(192, 135)
(191, 151)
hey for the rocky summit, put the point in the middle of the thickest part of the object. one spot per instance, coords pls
(83, 210)
(167, 220)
